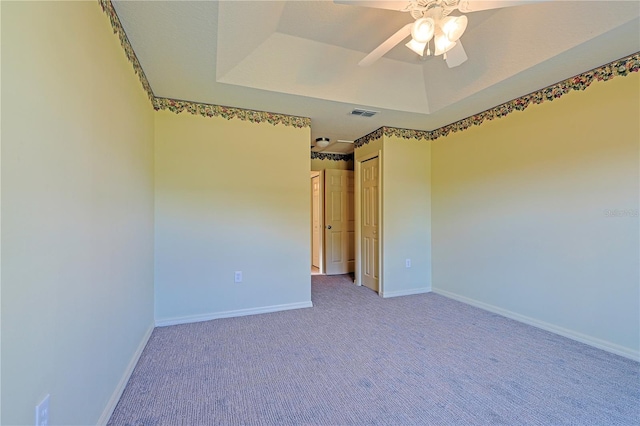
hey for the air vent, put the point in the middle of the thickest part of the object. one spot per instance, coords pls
(363, 112)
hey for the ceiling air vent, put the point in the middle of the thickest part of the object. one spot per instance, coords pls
(363, 112)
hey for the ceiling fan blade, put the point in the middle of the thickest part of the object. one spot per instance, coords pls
(467, 6)
(381, 4)
(386, 46)
(456, 56)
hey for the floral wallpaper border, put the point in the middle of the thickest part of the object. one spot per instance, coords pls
(376, 134)
(331, 156)
(228, 113)
(109, 10)
(205, 110)
(621, 67)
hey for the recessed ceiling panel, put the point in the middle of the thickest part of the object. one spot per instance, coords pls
(301, 57)
(510, 41)
(242, 27)
(293, 65)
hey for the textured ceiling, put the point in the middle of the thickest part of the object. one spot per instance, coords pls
(300, 58)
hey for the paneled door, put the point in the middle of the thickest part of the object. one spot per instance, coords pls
(339, 222)
(315, 222)
(370, 216)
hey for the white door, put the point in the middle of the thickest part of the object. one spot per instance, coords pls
(315, 222)
(370, 216)
(339, 222)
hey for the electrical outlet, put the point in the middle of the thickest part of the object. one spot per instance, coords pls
(237, 278)
(407, 263)
(42, 412)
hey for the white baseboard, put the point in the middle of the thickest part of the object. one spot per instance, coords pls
(409, 292)
(231, 314)
(574, 335)
(117, 393)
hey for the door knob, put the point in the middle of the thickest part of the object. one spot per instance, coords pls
(328, 226)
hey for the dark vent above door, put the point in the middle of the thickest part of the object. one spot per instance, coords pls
(363, 112)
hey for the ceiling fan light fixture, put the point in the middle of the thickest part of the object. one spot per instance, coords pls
(442, 44)
(454, 26)
(416, 46)
(423, 29)
(322, 142)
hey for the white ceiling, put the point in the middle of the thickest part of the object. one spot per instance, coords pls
(301, 58)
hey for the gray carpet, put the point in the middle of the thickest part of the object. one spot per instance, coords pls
(357, 359)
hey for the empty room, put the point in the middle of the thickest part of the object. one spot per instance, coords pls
(415, 212)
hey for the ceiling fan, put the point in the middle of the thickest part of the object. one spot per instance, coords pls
(433, 26)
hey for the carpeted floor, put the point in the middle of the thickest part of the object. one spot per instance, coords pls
(357, 359)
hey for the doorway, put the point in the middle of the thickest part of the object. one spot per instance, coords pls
(317, 188)
(368, 227)
(339, 221)
(370, 215)
(332, 222)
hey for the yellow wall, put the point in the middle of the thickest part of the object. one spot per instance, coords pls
(520, 219)
(77, 212)
(406, 215)
(227, 201)
(317, 164)
(368, 149)
(406, 211)
(519, 223)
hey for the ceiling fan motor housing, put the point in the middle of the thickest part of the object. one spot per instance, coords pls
(435, 9)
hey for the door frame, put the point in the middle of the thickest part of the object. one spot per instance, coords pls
(320, 175)
(358, 218)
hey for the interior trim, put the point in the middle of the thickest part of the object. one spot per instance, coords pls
(122, 384)
(579, 337)
(109, 10)
(177, 106)
(228, 113)
(619, 68)
(331, 156)
(231, 314)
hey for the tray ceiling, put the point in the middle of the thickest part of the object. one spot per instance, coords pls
(300, 58)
